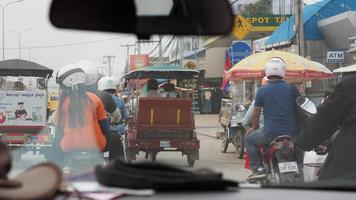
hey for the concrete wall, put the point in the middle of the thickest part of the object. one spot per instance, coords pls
(316, 51)
(214, 62)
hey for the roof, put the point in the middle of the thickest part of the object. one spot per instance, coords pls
(198, 53)
(16, 67)
(351, 68)
(162, 71)
(285, 32)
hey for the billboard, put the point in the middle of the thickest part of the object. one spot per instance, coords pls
(23, 108)
(139, 61)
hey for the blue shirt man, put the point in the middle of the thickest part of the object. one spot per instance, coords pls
(277, 100)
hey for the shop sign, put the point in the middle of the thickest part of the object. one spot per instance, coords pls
(266, 23)
(139, 61)
(243, 25)
(260, 44)
(335, 57)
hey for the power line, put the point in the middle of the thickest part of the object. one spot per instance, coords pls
(77, 44)
(165, 50)
(158, 44)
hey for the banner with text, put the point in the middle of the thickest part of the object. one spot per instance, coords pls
(23, 108)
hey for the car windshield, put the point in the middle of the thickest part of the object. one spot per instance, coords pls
(267, 103)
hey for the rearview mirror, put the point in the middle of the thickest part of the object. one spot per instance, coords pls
(177, 17)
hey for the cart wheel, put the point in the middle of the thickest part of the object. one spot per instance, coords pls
(153, 156)
(225, 141)
(191, 162)
(239, 144)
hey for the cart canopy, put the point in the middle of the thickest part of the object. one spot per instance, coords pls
(163, 72)
(16, 67)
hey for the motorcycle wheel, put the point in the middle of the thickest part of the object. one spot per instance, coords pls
(225, 141)
(287, 177)
(239, 144)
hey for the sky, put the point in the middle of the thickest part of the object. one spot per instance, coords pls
(33, 14)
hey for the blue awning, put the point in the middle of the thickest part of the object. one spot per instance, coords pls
(286, 31)
(198, 53)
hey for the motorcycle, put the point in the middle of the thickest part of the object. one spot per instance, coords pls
(234, 132)
(283, 162)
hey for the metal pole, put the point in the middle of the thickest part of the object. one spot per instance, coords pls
(3, 25)
(20, 46)
(299, 27)
(3, 33)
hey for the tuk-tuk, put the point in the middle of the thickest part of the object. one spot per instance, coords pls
(162, 123)
(23, 106)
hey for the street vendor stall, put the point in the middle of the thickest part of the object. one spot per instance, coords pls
(299, 69)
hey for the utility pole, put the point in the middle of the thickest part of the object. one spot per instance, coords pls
(108, 60)
(128, 55)
(299, 26)
(3, 7)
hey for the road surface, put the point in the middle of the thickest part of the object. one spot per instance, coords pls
(210, 155)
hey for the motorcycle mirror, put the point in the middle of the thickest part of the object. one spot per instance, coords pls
(240, 108)
(307, 105)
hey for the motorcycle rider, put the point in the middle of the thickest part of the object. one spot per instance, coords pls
(107, 84)
(277, 99)
(338, 111)
(91, 78)
(80, 119)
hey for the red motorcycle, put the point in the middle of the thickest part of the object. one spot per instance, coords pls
(282, 161)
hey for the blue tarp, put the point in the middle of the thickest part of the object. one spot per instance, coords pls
(311, 15)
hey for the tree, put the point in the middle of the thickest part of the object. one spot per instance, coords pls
(261, 7)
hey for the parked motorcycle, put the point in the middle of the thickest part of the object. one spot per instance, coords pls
(230, 119)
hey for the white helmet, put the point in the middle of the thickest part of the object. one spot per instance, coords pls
(70, 75)
(91, 71)
(275, 67)
(107, 83)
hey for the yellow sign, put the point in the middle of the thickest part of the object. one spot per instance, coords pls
(241, 27)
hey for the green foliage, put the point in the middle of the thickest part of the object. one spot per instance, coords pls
(261, 7)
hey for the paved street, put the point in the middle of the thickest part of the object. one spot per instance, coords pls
(210, 155)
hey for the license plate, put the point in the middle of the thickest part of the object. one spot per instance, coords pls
(165, 144)
(288, 167)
